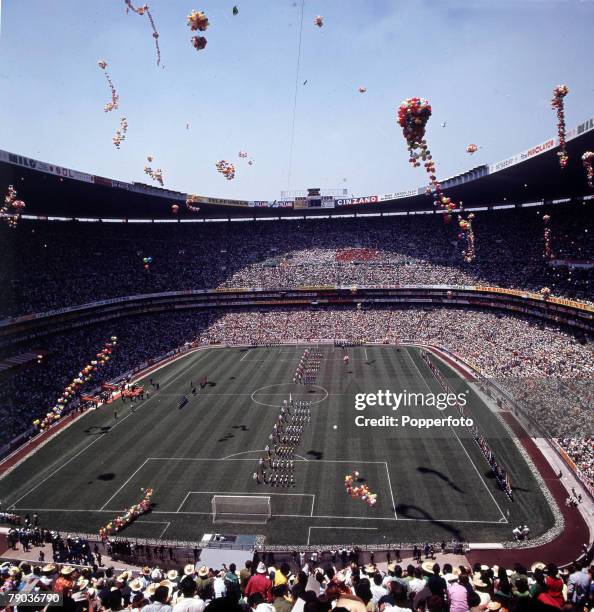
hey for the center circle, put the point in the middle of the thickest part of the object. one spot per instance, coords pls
(314, 394)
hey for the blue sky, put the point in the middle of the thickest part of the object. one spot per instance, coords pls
(487, 66)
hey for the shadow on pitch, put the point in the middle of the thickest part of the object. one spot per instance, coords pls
(414, 512)
(441, 476)
(317, 455)
(96, 430)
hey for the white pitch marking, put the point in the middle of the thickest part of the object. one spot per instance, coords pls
(391, 492)
(249, 351)
(317, 516)
(127, 481)
(101, 437)
(462, 445)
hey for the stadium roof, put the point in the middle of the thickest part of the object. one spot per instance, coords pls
(533, 175)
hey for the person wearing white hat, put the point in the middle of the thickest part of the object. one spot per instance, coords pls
(260, 583)
(458, 593)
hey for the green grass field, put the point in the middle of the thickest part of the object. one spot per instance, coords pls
(431, 484)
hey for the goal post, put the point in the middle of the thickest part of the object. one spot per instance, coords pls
(255, 509)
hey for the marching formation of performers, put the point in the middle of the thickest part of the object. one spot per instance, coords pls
(277, 467)
(502, 478)
(308, 367)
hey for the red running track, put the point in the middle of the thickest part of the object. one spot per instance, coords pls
(562, 550)
(565, 548)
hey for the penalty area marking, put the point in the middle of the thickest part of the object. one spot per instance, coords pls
(286, 385)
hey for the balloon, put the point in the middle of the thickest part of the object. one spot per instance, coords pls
(557, 103)
(471, 148)
(197, 20)
(114, 94)
(319, 21)
(362, 89)
(198, 42)
(174, 209)
(587, 160)
(120, 134)
(235, 10)
(226, 169)
(548, 250)
(11, 208)
(142, 10)
(190, 201)
(157, 174)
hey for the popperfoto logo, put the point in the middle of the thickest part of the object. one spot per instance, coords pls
(404, 399)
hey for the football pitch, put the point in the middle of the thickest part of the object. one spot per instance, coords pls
(432, 484)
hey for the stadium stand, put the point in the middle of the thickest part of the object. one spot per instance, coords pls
(324, 580)
(544, 366)
(95, 261)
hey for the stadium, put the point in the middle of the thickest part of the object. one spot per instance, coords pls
(335, 389)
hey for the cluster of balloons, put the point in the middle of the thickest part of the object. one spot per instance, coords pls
(226, 169)
(11, 208)
(70, 391)
(157, 174)
(466, 237)
(120, 134)
(131, 514)
(147, 261)
(413, 115)
(114, 94)
(243, 155)
(587, 160)
(191, 201)
(545, 292)
(319, 21)
(144, 10)
(557, 103)
(471, 148)
(197, 20)
(362, 89)
(361, 492)
(548, 251)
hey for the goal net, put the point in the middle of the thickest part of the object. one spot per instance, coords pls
(241, 509)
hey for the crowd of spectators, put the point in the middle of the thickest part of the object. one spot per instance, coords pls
(29, 391)
(48, 265)
(312, 587)
(546, 368)
(543, 366)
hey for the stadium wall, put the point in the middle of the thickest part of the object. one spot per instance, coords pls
(575, 315)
